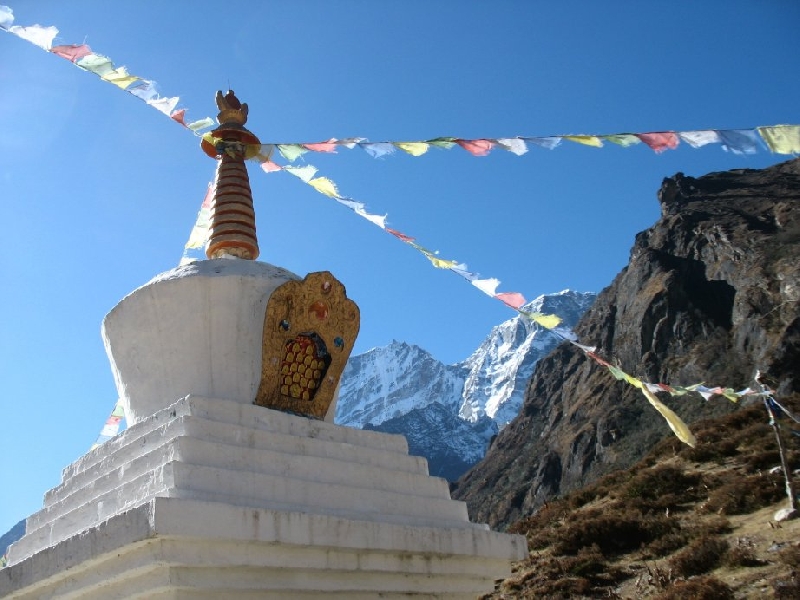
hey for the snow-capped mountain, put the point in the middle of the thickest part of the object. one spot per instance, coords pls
(500, 368)
(388, 382)
(450, 413)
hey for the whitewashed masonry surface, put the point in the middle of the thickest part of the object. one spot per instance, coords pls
(210, 498)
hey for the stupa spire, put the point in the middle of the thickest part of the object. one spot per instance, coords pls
(233, 221)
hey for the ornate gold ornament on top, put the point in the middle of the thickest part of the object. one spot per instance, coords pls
(310, 328)
(232, 230)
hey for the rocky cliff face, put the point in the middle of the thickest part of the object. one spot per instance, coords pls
(710, 295)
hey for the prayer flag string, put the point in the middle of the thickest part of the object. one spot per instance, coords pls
(514, 300)
(779, 139)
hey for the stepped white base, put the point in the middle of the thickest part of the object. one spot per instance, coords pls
(216, 499)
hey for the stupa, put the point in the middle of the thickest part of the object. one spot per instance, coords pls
(232, 481)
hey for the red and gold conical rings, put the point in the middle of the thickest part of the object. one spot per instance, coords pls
(233, 220)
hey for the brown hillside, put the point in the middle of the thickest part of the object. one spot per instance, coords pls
(710, 295)
(681, 523)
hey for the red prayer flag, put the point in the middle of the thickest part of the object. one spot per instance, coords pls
(329, 146)
(209, 197)
(72, 52)
(476, 147)
(660, 141)
(401, 236)
(270, 167)
(178, 116)
(512, 299)
(597, 359)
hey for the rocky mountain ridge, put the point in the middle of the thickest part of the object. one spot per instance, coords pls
(710, 295)
(449, 413)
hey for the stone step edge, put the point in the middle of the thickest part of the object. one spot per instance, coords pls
(148, 523)
(264, 441)
(185, 449)
(226, 411)
(71, 506)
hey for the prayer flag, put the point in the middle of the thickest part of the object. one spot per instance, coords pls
(441, 263)
(121, 78)
(73, 52)
(674, 421)
(324, 186)
(36, 34)
(487, 286)
(305, 173)
(437, 262)
(512, 299)
(291, 152)
(739, 141)
(515, 145)
(329, 146)
(379, 220)
(442, 142)
(199, 234)
(622, 139)
(586, 140)
(476, 147)
(95, 63)
(6, 17)
(545, 142)
(413, 148)
(594, 356)
(164, 105)
(546, 321)
(660, 141)
(782, 139)
(400, 236)
(146, 90)
(378, 149)
(271, 167)
(201, 124)
(178, 116)
(623, 376)
(350, 143)
(699, 138)
(462, 270)
(586, 349)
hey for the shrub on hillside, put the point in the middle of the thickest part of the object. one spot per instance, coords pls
(661, 487)
(747, 494)
(701, 556)
(699, 588)
(613, 531)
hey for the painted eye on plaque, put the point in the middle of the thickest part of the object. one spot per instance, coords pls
(284, 325)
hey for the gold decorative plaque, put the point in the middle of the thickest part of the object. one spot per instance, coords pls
(309, 331)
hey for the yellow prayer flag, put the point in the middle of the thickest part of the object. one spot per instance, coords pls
(324, 186)
(413, 148)
(586, 140)
(547, 321)
(782, 139)
(441, 263)
(675, 423)
(120, 78)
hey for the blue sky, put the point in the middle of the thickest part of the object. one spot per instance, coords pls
(100, 191)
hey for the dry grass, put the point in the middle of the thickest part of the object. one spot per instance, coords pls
(683, 523)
